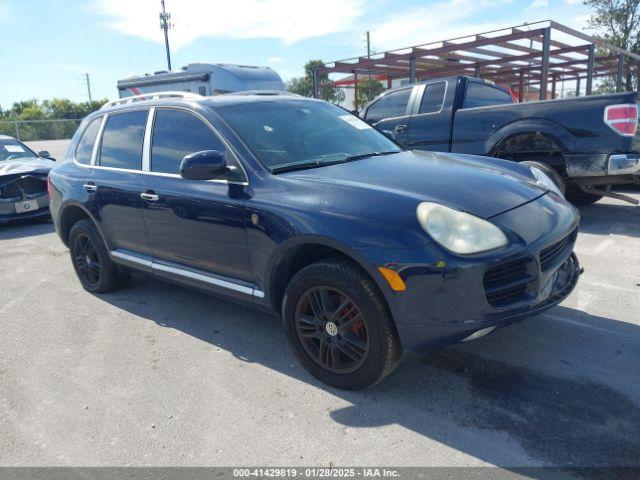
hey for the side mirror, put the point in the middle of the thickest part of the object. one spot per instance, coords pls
(204, 165)
(45, 154)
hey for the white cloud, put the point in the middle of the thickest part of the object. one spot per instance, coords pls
(539, 4)
(287, 20)
(447, 19)
(274, 59)
(430, 23)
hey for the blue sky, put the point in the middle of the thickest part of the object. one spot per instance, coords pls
(48, 46)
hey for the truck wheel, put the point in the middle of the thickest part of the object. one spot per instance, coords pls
(95, 270)
(338, 325)
(552, 172)
(579, 197)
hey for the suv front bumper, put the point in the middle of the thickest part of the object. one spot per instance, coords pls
(418, 338)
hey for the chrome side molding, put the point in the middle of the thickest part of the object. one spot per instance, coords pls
(153, 266)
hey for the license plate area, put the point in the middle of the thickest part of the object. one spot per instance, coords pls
(26, 206)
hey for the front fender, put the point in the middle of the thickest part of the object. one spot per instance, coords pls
(282, 251)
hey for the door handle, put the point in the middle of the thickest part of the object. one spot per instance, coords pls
(90, 187)
(400, 128)
(149, 196)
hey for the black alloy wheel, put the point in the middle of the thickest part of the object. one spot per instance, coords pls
(332, 330)
(86, 260)
(90, 258)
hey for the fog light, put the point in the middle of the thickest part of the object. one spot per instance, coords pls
(479, 334)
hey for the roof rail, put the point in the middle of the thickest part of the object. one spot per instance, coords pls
(150, 96)
(263, 92)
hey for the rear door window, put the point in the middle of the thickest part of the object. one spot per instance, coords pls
(481, 95)
(121, 145)
(433, 98)
(85, 145)
(391, 105)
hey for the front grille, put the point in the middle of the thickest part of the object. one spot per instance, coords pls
(506, 283)
(550, 254)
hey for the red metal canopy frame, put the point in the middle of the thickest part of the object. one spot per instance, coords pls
(536, 54)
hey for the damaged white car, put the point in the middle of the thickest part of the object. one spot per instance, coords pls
(23, 181)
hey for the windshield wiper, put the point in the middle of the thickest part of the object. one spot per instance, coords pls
(360, 156)
(291, 167)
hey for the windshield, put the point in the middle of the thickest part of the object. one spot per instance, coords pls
(302, 132)
(13, 150)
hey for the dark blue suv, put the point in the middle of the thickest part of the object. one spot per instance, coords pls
(296, 206)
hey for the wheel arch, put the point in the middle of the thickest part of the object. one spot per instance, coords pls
(532, 139)
(290, 257)
(70, 214)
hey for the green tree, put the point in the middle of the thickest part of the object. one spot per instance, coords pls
(327, 90)
(33, 118)
(368, 90)
(618, 22)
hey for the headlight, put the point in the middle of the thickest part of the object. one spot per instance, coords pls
(459, 231)
(544, 180)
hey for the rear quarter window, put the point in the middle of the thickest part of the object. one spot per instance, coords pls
(481, 95)
(85, 144)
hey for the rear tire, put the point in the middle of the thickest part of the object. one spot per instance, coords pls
(90, 259)
(339, 327)
(579, 197)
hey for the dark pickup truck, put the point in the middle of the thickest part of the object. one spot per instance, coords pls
(591, 142)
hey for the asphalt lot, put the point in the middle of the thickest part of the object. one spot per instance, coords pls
(160, 375)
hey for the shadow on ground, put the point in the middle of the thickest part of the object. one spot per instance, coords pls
(25, 228)
(531, 382)
(608, 218)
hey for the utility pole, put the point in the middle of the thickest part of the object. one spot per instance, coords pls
(86, 76)
(165, 24)
(369, 58)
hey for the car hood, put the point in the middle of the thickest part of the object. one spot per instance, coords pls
(31, 165)
(476, 185)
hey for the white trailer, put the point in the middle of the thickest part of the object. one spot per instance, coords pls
(203, 79)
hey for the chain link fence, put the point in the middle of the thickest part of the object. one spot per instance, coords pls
(30, 130)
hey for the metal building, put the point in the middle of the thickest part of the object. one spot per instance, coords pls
(204, 79)
(539, 56)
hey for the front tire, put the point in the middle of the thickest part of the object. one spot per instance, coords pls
(339, 327)
(90, 259)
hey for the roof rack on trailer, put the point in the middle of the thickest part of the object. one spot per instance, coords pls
(150, 96)
(263, 93)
